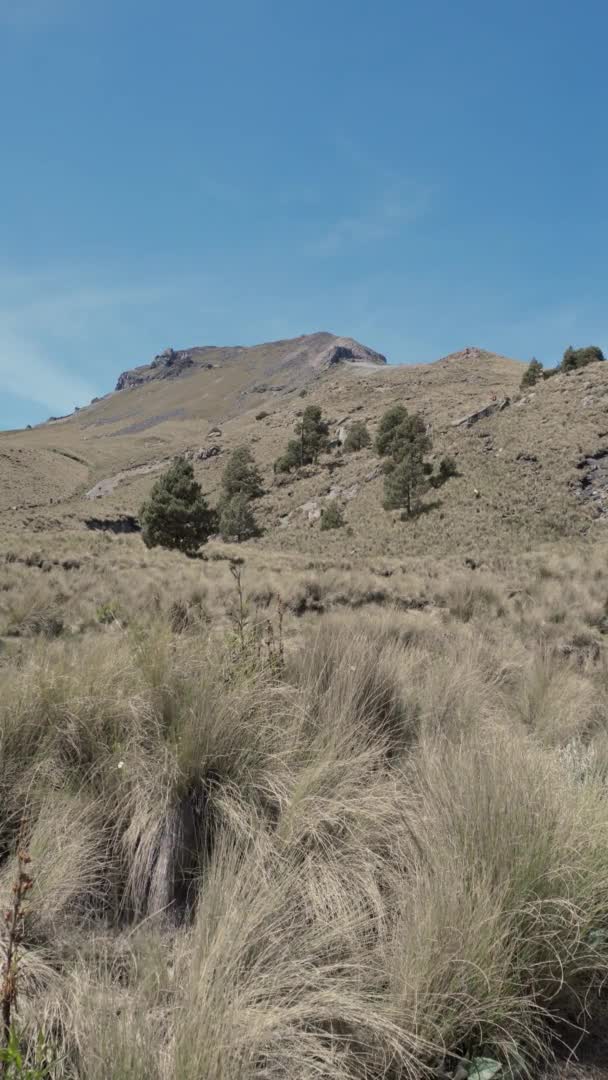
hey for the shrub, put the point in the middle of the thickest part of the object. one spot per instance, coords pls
(291, 459)
(331, 516)
(532, 374)
(357, 437)
(108, 613)
(236, 519)
(176, 516)
(446, 470)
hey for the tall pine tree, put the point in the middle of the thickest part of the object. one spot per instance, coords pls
(176, 515)
(403, 440)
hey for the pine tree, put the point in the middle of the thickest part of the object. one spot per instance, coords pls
(176, 515)
(241, 475)
(312, 437)
(237, 521)
(402, 438)
(388, 429)
(313, 433)
(400, 430)
(405, 483)
(532, 374)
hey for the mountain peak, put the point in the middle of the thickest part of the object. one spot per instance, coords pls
(317, 351)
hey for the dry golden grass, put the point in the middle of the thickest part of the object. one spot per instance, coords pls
(383, 855)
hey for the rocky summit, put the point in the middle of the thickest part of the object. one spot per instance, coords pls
(311, 351)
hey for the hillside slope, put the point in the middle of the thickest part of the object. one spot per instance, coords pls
(527, 474)
(171, 403)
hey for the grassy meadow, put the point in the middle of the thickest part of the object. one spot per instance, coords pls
(334, 821)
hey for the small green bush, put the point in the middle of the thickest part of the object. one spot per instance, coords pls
(357, 437)
(332, 517)
(446, 470)
(108, 613)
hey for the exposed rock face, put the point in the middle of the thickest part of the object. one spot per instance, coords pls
(167, 365)
(349, 351)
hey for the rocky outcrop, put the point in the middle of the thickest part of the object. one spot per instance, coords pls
(203, 453)
(482, 414)
(167, 365)
(593, 484)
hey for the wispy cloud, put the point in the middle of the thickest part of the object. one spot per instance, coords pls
(383, 216)
(29, 373)
(43, 326)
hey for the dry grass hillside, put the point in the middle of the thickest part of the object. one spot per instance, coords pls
(520, 469)
(324, 805)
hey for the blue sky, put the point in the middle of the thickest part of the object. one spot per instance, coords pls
(418, 175)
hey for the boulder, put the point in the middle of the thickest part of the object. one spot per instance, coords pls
(204, 453)
(311, 510)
